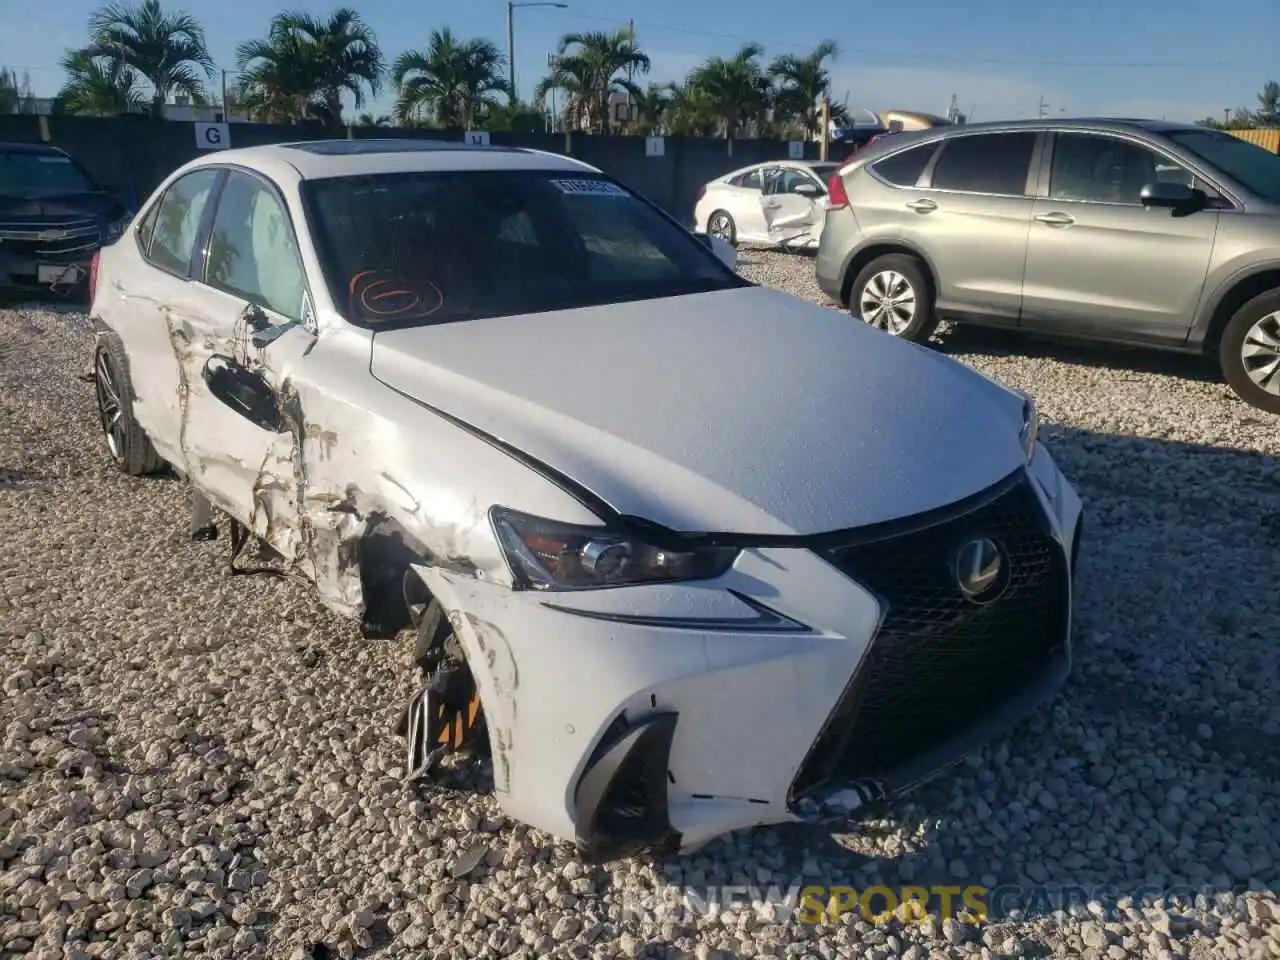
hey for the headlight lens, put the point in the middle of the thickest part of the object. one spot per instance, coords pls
(1030, 424)
(549, 555)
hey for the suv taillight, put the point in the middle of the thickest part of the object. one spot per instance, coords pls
(93, 276)
(836, 197)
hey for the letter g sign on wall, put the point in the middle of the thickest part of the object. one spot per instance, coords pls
(213, 136)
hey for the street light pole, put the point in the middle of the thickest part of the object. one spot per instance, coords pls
(511, 39)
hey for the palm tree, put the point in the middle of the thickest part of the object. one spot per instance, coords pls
(737, 87)
(678, 110)
(1269, 101)
(99, 86)
(588, 69)
(800, 82)
(167, 50)
(10, 92)
(367, 119)
(452, 81)
(305, 65)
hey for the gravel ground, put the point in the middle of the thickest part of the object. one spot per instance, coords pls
(202, 764)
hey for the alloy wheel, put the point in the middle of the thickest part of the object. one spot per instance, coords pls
(1260, 353)
(110, 409)
(888, 302)
(719, 227)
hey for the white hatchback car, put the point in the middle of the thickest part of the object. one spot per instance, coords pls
(780, 204)
(684, 554)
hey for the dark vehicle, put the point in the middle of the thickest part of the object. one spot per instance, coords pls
(53, 218)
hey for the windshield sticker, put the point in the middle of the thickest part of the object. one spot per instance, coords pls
(590, 188)
(54, 159)
(382, 296)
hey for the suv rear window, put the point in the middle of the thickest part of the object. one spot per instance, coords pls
(404, 249)
(904, 169)
(995, 163)
(28, 173)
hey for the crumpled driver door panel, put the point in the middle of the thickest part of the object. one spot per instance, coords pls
(791, 218)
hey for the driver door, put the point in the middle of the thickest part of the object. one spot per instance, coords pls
(790, 216)
(249, 329)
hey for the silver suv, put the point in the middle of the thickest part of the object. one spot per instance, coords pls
(1132, 232)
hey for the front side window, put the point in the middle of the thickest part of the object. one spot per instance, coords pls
(440, 247)
(253, 253)
(32, 173)
(1246, 163)
(994, 163)
(1107, 169)
(178, 221)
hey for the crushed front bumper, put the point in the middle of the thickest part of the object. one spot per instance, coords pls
(663, 717)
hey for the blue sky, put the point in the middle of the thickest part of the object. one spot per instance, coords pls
(1181, 59)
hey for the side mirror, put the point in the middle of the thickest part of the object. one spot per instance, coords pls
(1178, 197)
(810, 190)
(723, 249)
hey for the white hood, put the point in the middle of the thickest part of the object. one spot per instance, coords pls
(742, 411)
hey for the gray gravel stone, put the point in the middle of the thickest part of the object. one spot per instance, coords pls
(177, 781)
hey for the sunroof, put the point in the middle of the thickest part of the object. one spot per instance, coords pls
(351, 147)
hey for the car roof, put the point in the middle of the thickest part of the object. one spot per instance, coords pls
(785, 162)
(321, 159)
(900, 141)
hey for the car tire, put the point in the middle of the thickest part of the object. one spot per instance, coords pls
(902, 279)
(720, 224)
(1250, 343)
(127, 443)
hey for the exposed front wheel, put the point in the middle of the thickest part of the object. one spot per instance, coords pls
(127, 443)
(893, 294)
(721, 225)
(1249, 352)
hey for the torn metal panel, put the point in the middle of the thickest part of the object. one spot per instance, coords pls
(792, 219)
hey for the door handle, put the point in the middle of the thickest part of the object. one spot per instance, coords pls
(922, 206)
(771, 204)
(1056, 219)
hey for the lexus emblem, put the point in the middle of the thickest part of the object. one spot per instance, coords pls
(981, 571)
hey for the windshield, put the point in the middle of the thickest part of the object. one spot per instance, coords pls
(404, 249)
(1249, 165)
(27, 173)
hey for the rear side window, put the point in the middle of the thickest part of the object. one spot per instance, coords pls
(991, 163)
(904, 169)
(750, 180)
(178, 221)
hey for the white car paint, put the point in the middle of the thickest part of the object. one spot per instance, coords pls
(773, 219)
(743, 413)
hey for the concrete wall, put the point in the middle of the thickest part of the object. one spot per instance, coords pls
(135, 153)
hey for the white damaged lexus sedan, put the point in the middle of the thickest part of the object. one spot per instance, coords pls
(683, 554)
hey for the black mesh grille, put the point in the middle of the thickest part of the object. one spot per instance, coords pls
(941, 661)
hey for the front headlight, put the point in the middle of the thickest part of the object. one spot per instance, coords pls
(549, 555)
(1030, 424)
